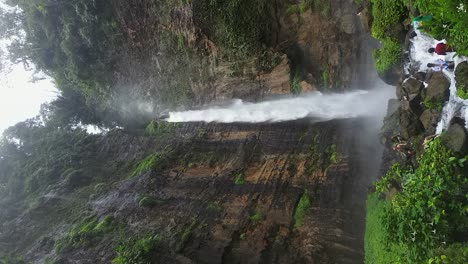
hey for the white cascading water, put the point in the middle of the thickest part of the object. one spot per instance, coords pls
(314, 105)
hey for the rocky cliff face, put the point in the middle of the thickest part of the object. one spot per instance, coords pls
(224, 194)
(289, 192)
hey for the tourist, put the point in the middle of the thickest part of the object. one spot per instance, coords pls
(441, 49)
(440, 65)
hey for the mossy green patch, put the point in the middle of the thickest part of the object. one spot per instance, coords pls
(301, 209)
(150, 163)
(185, 235)
(137, 250)
(239, 179)
(85, 232)
(255, 218)
(387, 56)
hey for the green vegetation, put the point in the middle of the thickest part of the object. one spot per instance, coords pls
(62, 38)
(295, 83)
(243, 236)
(150, 163)
(330, 152)
(239, 179)
(462, 92)
(375, 241)
(433, 105)
(255, 218)
(147, 201)
(326, 78)
(386, 16)
(449, 21)
(321, 5)
(161, 129)
(136, 250)
(240, 27)
(387, 56)
(84, 233)
(215, 206)
(185, 236)
(426, 214)
(301, 209)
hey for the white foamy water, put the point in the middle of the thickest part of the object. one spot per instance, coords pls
(315, 105)
(419, 55)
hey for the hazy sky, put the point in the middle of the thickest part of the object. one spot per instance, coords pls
(19, 97)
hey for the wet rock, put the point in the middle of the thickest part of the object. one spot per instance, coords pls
(393, 105)
(456, 137)
(461, 76)
(429, 119)
(74, 179)
(421, 76)
(307, 87)
(413, 104)
(391, 126)
(410, 124)
(412, 86)
(392, 75)
(437, 90)
(366, 19)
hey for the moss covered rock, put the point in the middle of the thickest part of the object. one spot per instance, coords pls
(461, 77)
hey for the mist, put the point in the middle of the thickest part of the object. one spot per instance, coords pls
(318, 106)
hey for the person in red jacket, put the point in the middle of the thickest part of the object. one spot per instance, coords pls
(440, 49)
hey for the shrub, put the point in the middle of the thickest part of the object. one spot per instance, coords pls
(377, 250)
(295, 83)
(462, 93)
(452, 254)
(386, 14)
(301, 209)
(161, 129)
(136, 250)
(239, 180)
(255, 218)
(185, 236)
(432, 105)
(151, 162)
(85, 232)
(431, 206)
(387, 56)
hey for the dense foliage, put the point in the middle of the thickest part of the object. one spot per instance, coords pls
(449, 21)
(428, 209)
(76, 42)
(240, 27)
(387, 17)
(387, 55)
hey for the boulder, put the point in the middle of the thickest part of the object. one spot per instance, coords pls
(392, 75)
(410, 124)
(413, 104)
(412, 86)
(456, 138)
(399, 92)
(391, 126)
(421, 76)
(429, 119)
(392, 106)
(437, 90)
(307, 87)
